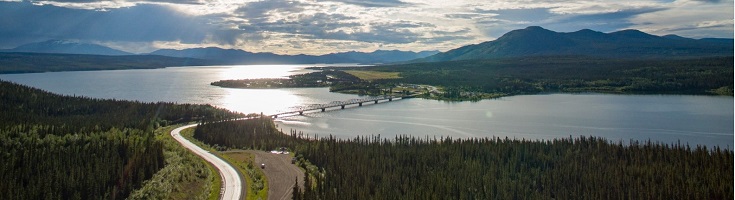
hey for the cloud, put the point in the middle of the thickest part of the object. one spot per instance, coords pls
(327, 26)
(709, 1)
(698, 19)
(142, 23)
(297, 18)
(107, 4)
(374, 3)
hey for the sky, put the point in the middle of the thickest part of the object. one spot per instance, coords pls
(318, 27)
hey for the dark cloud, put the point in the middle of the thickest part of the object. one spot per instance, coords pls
(259, 9)
(299, 24)
(26, 22)
(511, 19)
(142, 1)
(254, 22)
(604, 22)
(332, 26)
(260, 17)
(532, 15)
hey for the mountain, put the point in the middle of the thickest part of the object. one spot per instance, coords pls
(67, 47)
(537, 41)
(236, 56)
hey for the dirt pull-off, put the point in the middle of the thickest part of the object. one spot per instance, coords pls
(280, 172)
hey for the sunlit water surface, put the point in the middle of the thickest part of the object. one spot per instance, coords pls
(704, 120)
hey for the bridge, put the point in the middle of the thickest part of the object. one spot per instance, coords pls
(323, 107)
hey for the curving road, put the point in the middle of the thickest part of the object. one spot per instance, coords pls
(232, 186)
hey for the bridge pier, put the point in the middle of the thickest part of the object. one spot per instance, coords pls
(323, 109)
(343, 106)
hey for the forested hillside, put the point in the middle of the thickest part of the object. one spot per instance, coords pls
(63, 147)
(537, 41)
(531, 75)
(52, 62)
(490, 168)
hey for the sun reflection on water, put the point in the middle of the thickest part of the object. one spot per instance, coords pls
(259, 71)
(268, 101)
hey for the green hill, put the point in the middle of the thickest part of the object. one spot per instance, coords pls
(537, 41)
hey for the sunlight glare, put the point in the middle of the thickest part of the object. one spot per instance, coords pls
(268, 101)
(258, 71)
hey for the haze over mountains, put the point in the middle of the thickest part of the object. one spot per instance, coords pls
(67, 47)
(234, 56)
(225, 56)
(537, 41)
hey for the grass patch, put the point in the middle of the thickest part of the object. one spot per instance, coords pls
(373, 75)
(254, 177)
(184, 176)
(216, 181)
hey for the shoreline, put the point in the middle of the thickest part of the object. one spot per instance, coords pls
(488, 96)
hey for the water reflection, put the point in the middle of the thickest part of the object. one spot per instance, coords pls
(260, 71)
(268, 101)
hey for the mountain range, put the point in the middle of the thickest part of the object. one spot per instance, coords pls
(537, 41)
(225, 56)
(235, 56)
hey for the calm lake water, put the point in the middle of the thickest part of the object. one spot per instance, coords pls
(703, 120)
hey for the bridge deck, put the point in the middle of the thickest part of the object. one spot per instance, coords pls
(323, 107)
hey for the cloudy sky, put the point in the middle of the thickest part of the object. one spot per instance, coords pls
(327, 26)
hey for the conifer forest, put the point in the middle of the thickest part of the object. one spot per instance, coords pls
(64, 147)
(488, 168)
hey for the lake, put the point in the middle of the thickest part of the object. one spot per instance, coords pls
(696, 120)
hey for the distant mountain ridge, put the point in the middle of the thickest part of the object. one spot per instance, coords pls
(67, 47)
(225, 56)
(236, 56)
(537, 41)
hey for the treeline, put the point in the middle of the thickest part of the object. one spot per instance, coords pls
(494, 168)
(314, 79)
(491, 168)
(67, 114)
(530, 75)
(255, 133)
(13, 62)
(64, 147)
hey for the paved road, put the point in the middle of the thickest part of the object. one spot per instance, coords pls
(232, 186)
(280, 172)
